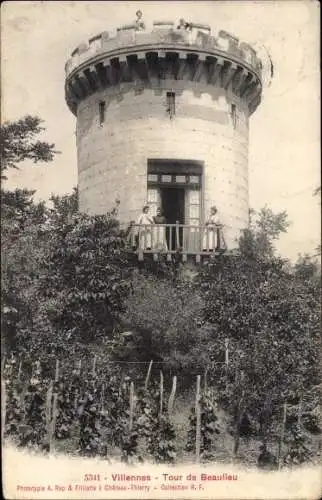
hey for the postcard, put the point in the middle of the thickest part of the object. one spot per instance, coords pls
(161, 255)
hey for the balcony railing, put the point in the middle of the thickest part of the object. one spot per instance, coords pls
(170, 239)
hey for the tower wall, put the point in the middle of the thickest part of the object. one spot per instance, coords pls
(112, 157)
(118, 88)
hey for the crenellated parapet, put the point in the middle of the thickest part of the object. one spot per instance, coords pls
(136, 58)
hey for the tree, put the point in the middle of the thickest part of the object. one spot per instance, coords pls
(64, 207)
(164, 313)
(86, 279)
(18, 143)
(307, 268)
(21, 221)
(264, 229)
(269, 314)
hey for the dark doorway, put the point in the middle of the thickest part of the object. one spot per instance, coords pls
(172, 200)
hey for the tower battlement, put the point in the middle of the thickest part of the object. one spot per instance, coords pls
(188, 51)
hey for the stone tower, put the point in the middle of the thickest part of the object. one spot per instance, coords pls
(163, 117)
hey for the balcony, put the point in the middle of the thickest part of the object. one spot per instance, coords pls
(168, 240)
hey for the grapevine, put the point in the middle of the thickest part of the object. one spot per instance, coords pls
(157, 429)
(209, 427)
(297, 452)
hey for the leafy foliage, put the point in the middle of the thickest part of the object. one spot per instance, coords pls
(87, 277)
(269, 314)
(162, 441)
(298, 453)
(68, 280)
(156, 427)
(264, 229)
(164, 315)
(208, 427)
(18, 143)
(21, 219)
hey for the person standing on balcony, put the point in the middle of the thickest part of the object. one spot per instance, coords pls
(211, 234)
(159, 236)
(145, 232)
(139, 24)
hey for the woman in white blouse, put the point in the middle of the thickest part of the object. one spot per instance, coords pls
(210, 237)
(145, 232)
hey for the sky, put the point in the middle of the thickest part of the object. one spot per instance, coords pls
(284, 149)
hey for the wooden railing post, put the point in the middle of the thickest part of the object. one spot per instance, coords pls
(177, 236)
(132, 234)
(185, 242)
(217, 232)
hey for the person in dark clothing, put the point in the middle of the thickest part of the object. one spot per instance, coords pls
(266, 459)
(184, 26)
(159, 236)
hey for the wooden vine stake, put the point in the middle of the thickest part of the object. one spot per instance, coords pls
(205, 382)
(49, 414)
(227, 353)
(3, 365)
(198, 420)
(57, 370)
(299, 412)
(161, 394)
(51, 408)
(94, 366)
(19, 370)
(102, 396)
(280, 445)
(3, 406)
(131, 405)
(147, 378)
(239, 416)
(172, 395)
(54, 416)
(226, 360)
(3, 397)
